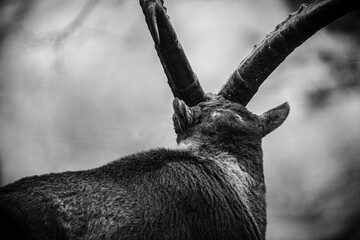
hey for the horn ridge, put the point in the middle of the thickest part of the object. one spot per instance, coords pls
(181, 78)
(278, 44)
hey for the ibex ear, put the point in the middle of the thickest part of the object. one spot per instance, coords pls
(183, 116)
(273, 118)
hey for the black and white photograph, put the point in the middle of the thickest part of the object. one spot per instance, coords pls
(180, 119)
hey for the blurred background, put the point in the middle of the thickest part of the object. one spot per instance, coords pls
(81, 85)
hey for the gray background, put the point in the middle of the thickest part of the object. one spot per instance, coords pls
(78, 94)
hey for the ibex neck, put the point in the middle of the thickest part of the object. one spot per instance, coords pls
(242, 166)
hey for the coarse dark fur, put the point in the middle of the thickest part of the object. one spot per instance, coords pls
(210, 188)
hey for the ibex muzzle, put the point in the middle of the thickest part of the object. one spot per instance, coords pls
(211, 188)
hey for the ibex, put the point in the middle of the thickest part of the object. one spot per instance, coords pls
(210, 188)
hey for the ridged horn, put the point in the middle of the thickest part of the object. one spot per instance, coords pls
(182, 80)
(267, 56)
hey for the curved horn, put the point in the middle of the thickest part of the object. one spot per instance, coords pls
(266, 56)
(182, 80)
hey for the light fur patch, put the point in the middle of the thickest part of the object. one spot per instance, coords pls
(240, 118)
(187, 145)
(239, 179)
(215, 114)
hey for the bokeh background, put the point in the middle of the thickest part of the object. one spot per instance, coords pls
(81, 85)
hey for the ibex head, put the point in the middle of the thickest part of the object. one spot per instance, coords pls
(219, 119)
(245, 81)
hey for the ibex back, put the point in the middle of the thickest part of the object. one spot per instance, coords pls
(212, 187)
